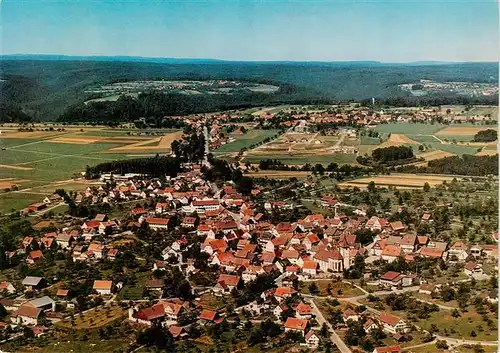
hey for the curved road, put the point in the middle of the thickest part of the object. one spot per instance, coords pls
(354, 300)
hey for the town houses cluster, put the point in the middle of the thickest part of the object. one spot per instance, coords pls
(237, 238)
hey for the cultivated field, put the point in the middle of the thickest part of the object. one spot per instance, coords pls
(38, 158)
(463, 130)
(400, 181)
(159, 144)
(436, 154)
(300, 148)
(279, 174)
(397, 140)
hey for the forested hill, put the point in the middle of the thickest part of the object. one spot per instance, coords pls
(44, 89)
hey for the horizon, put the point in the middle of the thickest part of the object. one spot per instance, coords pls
(32, 56)
(385, 31)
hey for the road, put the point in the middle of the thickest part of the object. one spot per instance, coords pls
(207, 144)
(334, 337)
(354, 300)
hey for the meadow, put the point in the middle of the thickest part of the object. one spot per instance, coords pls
(246, 140)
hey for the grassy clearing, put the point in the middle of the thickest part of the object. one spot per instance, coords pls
(428, 298)
(338, 289)
(450, 326)
(212, 302)
(460, 327)
(246, 140)
(134, 291)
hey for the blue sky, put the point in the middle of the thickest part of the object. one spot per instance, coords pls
(388, 30)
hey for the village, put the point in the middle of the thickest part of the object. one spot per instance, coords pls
(212, 258)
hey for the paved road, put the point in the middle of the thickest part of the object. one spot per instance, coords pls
(334, 337)
(459, 342)
(419, 345)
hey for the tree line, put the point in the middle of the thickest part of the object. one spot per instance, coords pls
(456, 165)
(157, 166)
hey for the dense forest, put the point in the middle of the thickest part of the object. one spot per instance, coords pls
(488, 135)
(157, 105)
(158, 166)
(43, 87)
(392, 153)
(455, 165)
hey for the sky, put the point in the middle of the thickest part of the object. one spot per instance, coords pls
(272, 30)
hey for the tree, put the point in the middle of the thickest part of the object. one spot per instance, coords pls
(3, 311)
(156, 336)
(441, 344)
(324, 332)
(427, 187)
(313, 288)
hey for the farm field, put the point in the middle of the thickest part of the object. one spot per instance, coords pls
(436, 154)
(301, 148)
(246, 140)
(409, 128)
(300, 160)
(399, 181)
(43, 157)
(440, 140)
(279, 174)
(15, 201)
(461, 130)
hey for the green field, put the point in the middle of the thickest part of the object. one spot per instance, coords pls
(14, 201)
(367, 140)
(408, 128)
(12, 142)
(50, 162)
(66, 148)
(246, 140)
(312, 159)
(420, 128)
(468, 138)
(423, 138)
(457, 149)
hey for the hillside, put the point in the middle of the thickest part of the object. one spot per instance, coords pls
(45, 88)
